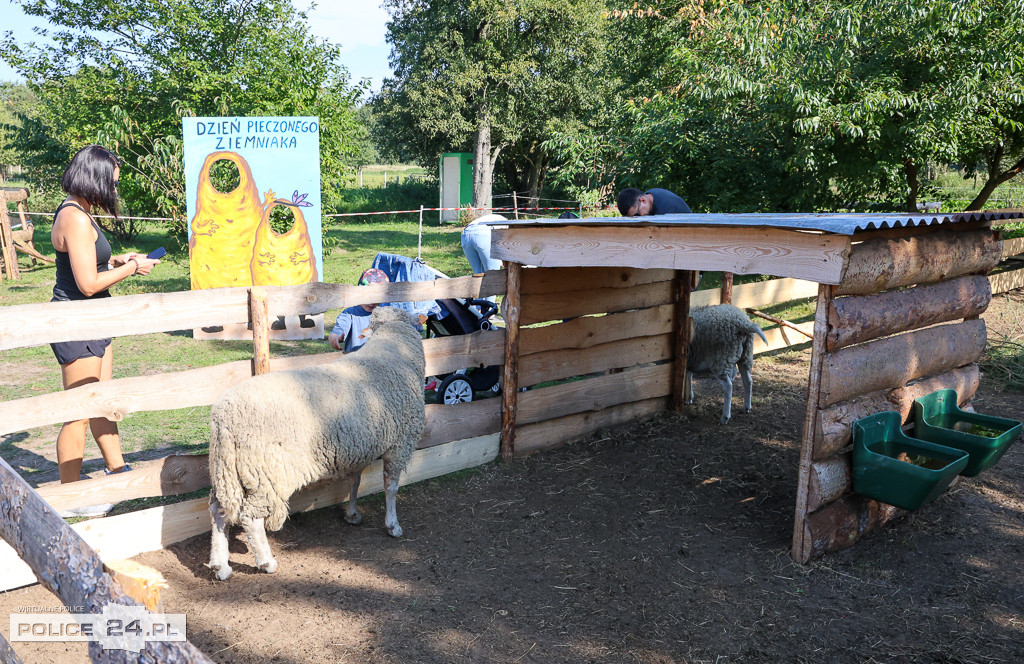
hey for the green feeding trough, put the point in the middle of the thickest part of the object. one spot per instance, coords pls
(938, 419)
(894, 468)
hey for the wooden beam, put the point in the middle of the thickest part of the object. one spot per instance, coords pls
(758, 294)
(67, 566)
(551, 434)
(825, 296)
(593, 394)
(559, 306)
(861, 318)
(477, 418)
(727, 279)
(125, 315)
(127, 535)
(510, 373)
(559, 364)
(116, 399)
(590, 331)
(740, 250)
(543, 280)
(895, 361)
(1007, 281)
(1013, 247)
(259, 321)
(880, 265)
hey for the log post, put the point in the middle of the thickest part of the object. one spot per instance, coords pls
(7, 241)
(510, 373)
(681, 340)
(7, 653)
(801, 549)
(69, 568)
(727, 278)
(259, 321)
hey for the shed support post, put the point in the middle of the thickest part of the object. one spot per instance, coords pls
(510, 372)
(684, 284)
(259, 321)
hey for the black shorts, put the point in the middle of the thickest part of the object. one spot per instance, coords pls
(69, 351)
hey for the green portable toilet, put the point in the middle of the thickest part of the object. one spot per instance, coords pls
(456, 183)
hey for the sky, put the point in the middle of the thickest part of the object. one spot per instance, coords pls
(358, 25)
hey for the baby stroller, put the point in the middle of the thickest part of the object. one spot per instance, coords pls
(447, 317)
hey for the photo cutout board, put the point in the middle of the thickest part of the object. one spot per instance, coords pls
(254, 212)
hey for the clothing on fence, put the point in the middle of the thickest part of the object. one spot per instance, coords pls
(403, 268)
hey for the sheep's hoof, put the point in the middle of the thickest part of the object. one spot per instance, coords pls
(222, 573)
(395, 531)
(270, 566)
(353, 519)
(724, 420)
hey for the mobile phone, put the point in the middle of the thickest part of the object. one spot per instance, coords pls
(157, 253)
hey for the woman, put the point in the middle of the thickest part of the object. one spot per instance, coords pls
(85, 270)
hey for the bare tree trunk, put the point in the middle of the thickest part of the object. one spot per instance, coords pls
(910, 168)
(993, 181)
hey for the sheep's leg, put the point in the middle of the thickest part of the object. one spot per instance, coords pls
(391, 472)
(689, 386)
(726, 381)
(257, 535)
(748, 387)
(219, 541)
(352, 514)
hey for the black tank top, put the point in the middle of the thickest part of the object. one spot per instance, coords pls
(66, 288)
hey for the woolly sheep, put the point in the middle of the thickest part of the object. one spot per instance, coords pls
(276, 433)
(723, 338)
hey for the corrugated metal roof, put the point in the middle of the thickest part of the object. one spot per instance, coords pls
(837, 223)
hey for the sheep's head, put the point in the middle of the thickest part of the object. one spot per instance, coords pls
(384, 315)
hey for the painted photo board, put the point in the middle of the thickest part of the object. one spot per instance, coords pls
(244, 176)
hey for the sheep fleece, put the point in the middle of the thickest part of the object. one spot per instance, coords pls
(273, 434)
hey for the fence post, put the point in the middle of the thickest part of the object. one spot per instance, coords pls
(7, 241)
(515, 205)
(260, 323)
(510, 373)
(727, 278)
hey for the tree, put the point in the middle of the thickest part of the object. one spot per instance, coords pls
(494, 76)
(16, 100)
(128, 69)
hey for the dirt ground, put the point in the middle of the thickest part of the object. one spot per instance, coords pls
(667, 541)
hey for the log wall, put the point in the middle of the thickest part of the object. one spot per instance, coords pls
(882, 344)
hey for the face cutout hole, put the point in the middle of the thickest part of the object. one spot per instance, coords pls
(224, 176)
(281, 219)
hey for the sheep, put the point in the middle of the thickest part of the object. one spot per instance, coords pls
(723, 338)
(273, 434)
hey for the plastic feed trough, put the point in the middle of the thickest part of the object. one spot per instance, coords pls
(938, 419)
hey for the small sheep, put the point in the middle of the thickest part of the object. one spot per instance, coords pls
(723, 338)
(274, 434)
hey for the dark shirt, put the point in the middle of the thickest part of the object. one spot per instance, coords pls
(665, 202)
(66, 288)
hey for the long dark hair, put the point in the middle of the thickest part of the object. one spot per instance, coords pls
(91, 176)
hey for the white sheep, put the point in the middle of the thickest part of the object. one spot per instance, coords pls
(723, 338)
(273, 434)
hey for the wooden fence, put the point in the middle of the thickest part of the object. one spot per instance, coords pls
(635, 339)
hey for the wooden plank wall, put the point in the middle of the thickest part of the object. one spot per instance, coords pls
(877, 351)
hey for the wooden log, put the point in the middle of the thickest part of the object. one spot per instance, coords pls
(814, 381)
(260, 323)
(551, 434)
(7, 654)
(50, 322)
(140, 582)
(593, 394)
(127, 535)
(763, 250)
(833, 427)
(781, 337)
(895, 361)
(829, 479)
(879, 265)
(727, 279)
(589, 331)
(170, 476)
(118, 398)
(545, 280)
(860, 318)
(682, 335)
(29, 251)
(555, 306)
(15, 194)
(779, 321)
(559, 364)
(510, 372)
(68, 567)
(7, 241)
(841, 523)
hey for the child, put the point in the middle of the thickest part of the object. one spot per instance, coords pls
(352, 322)
(635, 203)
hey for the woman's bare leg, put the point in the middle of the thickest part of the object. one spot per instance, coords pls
(71, 439)
(103, 430)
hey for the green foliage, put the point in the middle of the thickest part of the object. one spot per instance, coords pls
(520, 68)
(126, 71)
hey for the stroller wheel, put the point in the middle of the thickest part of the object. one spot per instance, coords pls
(455, 389)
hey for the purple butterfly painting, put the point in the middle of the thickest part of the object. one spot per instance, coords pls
(300, 201)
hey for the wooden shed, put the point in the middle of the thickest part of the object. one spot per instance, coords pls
(898, 303)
